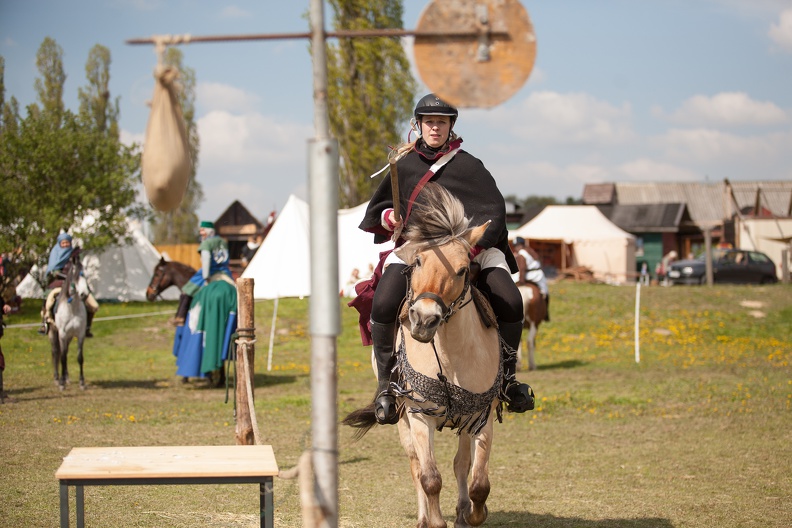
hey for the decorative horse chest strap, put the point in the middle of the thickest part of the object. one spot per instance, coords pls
(461, 408)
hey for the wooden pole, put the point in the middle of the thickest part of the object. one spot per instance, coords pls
(244, 362)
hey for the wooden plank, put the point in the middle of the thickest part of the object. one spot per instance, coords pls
(168, 462)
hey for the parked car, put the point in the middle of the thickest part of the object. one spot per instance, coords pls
(728, 265)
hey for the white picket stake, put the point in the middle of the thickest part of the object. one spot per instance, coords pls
(637, 321)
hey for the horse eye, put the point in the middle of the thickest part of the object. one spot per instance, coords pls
(461, 272)
(417, 262)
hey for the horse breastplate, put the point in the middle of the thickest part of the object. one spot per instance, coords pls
(462, 409)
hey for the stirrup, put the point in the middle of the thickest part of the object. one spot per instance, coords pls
(385, 410)
(520, 398)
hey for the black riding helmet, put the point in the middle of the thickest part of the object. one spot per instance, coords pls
(430, 104)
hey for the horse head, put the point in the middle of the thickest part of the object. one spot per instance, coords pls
(437, 251)
(157, 283)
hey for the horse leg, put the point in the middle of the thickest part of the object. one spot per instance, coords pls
(64, 346)
(55, 349)
(405, 436)
(532, 345)
(428, 474)
(80, 360)
(462, 462)
(479, 479)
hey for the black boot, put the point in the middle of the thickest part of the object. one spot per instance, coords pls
(181, 312)
(88, 324)
(382, 336)
(519, 396)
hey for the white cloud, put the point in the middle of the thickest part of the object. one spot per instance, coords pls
(218, 96)
(726, 109)
(562, 119)
(649, 170)
(127, 138)
(252, 158)
(712, 146)
(234, 12)
(781, 33)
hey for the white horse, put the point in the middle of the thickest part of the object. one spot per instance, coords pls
(70, 320)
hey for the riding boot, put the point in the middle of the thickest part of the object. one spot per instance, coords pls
(90, 316)
(519, 396)
(181, 313)
(547, 307)
(383, 336)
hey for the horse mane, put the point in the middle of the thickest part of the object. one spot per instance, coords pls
(437, 218)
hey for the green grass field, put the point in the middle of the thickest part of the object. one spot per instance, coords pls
(696, 435)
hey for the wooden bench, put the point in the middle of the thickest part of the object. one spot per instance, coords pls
(124, 466)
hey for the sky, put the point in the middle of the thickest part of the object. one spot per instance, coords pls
(621, 90)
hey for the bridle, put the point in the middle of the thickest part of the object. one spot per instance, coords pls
(156, 281)
(446, 311)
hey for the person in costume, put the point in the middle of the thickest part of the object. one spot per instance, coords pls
(59, 257)
(214, 264)
(436, 156)
(530, 270)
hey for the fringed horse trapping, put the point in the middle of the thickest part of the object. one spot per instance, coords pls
(166, 274)
(449, 367)
(70, 321)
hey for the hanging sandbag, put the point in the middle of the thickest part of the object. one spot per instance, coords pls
(166, 163)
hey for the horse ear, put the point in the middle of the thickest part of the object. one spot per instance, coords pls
(474, 235)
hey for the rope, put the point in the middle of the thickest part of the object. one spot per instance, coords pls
(244, 340)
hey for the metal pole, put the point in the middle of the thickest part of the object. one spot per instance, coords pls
(708, 254)
(637, 322)
(324, 307)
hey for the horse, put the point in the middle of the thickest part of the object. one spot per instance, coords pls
(535, 311)
(167, 274)
(70, 321)
(449, 362)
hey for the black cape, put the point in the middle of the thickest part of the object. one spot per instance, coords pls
(465, 177)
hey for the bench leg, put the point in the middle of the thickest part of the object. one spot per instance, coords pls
(64, 505)
(266, 504)
(80, 506)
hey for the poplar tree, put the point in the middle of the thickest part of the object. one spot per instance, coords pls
(181, 224)
(371, 91)
(57, 170)
(94, 99)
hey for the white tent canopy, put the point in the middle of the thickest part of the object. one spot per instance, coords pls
(282, 265)
(119, 273)
(596, 242)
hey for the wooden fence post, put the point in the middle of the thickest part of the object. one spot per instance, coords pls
(245, 359)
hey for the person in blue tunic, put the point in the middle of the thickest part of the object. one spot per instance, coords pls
(59, 257)
(214, 266)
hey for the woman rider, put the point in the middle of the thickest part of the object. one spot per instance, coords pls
(466, 178)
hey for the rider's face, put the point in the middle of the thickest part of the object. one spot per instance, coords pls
(65, 243)
(435, 130)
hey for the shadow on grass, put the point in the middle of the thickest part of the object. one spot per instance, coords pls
(130, 384)
(569, 364)
(551, 521)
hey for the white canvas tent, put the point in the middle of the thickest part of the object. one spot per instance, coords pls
(595, 241)
(282, 265)
(119, 273)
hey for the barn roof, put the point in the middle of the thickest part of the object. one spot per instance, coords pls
(708, 203)
(648, 218)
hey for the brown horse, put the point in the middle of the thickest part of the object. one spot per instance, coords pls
(535, 312)
(448, 362)
(166, 274)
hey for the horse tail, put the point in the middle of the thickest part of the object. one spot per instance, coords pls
(362, 420)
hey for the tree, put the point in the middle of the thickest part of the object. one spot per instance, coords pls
(180, 225)
(49, 61)
(58, 171)
(95, 98)
(372, 91)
